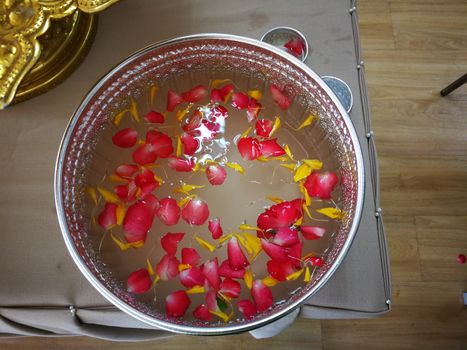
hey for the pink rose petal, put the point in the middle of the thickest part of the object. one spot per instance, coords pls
(230, 288)
(321, 185)
(280, 270)
(214, 226)
(125, 138)
(139, 282)
(262, 295)
(237, 259)
(274, 251)
(169, 242)
(138, 221)
(177, 303)
(216, 174)
(168, 211)
(312, 232)
(180, 164)
(286, 237)
(190, 256)
(192, 277)
(167, 267)
(144, 154)
(226, 271)
(195, 212)
(210, 270)
(108, 217)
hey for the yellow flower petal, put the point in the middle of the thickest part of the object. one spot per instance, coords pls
(117, 119)
(196, 290)
(275, 199)
(158, 179)
(122, 245)
(204, 244)
(183, 112)
(221, 315)
(235, 166)
(225, 238)
(306, 122)
(290, 166)
(302, 172)
(295, 275)
(218, 82)
(254, 243)
(91, 192)
(332, 213)
(186, 188)
(299, 221)
(152, 94)
(244, 243)
(270, 281)
(246, 132)
(108, 196)
(116, 178)
(276, 126)
(248, 278)
(149, 267)
(137, 244)
(263, 159)
(307, 211)
(314, 164)
(182, 267)
(181, 203)
(307, 277)
(245, 227)
(256, 94)
(288, 151)
(120, 213)
(134, 111)
(178, 153)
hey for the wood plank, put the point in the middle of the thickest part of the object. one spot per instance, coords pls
(375, 25)
(403, 248)
(440, 240)
(303, 334)
(426, 315)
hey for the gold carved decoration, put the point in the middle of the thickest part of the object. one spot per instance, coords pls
(21, 23)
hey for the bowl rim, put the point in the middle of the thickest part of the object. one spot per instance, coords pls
(173, 327)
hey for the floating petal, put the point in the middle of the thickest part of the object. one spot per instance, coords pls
(332, 213)
(192, 277)
(249, 148)
(177, 303)
(167, 267)
(195, 94)
(230, 288)
(195, 212)
(139, 281)
(215, 228)
(286, 237)
(306, 122)
(279, 97)
(226, 271)
(108, 217)
(321, 185)
(180, 164)
(262, 296)
(169, 241)
(216, 174)
(240, 100)
(168, 211)
(210, 270)
(173, 100)
(154, 117)
(190, 144)
(263, 127)
(247, 308)
(270, 148)
(190, 256)
(237, 258)
(202, 313)
(312, 232)
(280, 270)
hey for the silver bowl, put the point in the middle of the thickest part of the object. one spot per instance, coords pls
(166, 60)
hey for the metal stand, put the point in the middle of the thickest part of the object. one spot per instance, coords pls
(453, 86)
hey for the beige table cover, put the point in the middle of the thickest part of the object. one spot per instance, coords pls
(42, 292)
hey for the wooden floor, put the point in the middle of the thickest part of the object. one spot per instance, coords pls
(412, 49)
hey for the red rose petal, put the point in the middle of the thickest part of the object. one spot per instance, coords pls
(202, 313)
(279, 97)
(168, 211)
(219, 111)
(280, 270)
(225, 91)
(192, 277)
(295, 46)
(211, 271)
(249, 148)
(240, 100)
(214, 226)
(237, 259)
(295, 254)
(230, 288)
(286, 237)
(144, 154)
(127, 193)
(195, 212)
(108, 217)
(263, 127)
(211, 300)
(316, 261)
(173, 100)
(321, 185)
(274, 251)
(461, 259)
(195, 94)
(146, 182)
(177, 303)
(152, 202)
(169, 241)
(190, 144)
(226, 271)
(139, 281)
(193, 122)
(125, 138)
(312, 232)
(216, 96)
(180, 164)
(154, 117)
(126, 170)
(138, 221)
(247, 308)
(190, 256)
(216, 174)
(270, 148)
(167, 267)
(254, 107)
(284, 214)
(162, 144)
(262, 295)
